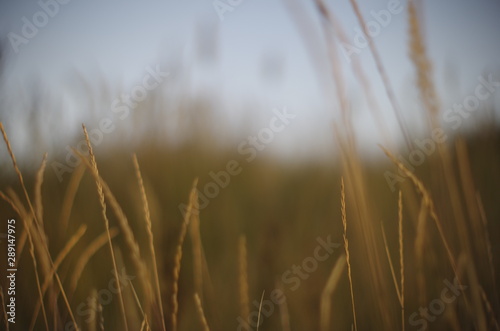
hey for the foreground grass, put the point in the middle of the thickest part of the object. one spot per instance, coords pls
(281, 211)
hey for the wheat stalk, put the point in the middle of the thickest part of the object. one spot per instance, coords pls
(390, 263)
(147, 216)
(69, 197)
(419, 57)
(197, 247)
(201, 314)
(326, 296)
(106, 224)
(488, 241)
(193, 196)
(18, 208)
(383, 75)
(426, 199)
(346, 246)
(128, 235)
(401, 258)
(260, 309)
(45, 247)
(243, 278)
(38, 189)
(57, 262)
(138, 302)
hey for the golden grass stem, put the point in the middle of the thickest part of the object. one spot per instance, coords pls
(32, 253)
(57, 262)
(390, 263)
(260, 309)
(197, 247)
(45, 247)
(106, 224)
(426, 198)
(346, 247)
(138, 302)
(419, 250)
(193, 196)
(38, 189)
(128, 234)
(201, 314)
(149, 231)
(401, 258)
(383, 75)
(243, 278)
(422, 65)
(69, 197)
(488, 241)
(326, 295)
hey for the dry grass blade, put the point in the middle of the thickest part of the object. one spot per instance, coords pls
(489, 309)
(383, 75)
(45, 248)
(356, 67)
(106, 224)
(201, 314)
(243, 278)
(326, 296)
(57, 262)
(138, 302)
(396, 285)
(69, 197)
(346, 246)
(476, 307)
(38, 242)
(260, 309)
(91, 249)
(37, 278)
(18, 172)
(197, 247)
(38, 189)
(128, 234)
(422, 64)
(419, 250)
(23, 239)
(193, 197)
(147, 216)
(426, 198)
(488, 241)
(401, 258)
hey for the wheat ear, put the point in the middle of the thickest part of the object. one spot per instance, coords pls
(106, 224)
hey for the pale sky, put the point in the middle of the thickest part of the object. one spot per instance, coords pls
(118, 39)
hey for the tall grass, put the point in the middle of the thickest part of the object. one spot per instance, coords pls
(242, 245)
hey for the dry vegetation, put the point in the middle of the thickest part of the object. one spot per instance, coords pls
(116, 220)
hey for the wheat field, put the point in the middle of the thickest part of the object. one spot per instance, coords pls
(132, 240)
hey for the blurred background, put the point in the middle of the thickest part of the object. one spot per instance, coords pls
(293, 93)
(238, 62)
